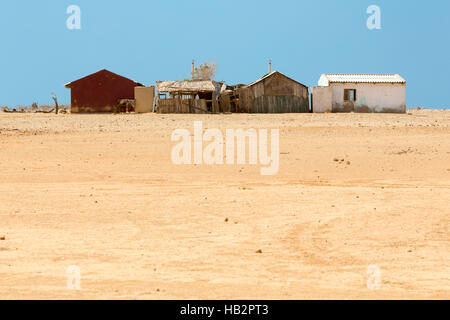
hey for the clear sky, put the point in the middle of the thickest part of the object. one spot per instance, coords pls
(149, 40)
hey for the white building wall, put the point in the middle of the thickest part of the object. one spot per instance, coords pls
(321, 99)
(370, 97)
(323, 81)
(144, 97)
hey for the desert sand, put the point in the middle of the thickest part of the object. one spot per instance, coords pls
(100, 192)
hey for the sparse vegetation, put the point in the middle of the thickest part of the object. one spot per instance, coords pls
(205, 71)
(34, 108)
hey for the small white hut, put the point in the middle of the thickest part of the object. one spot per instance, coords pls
(364, 93)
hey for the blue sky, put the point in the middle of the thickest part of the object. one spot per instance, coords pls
(149, 40)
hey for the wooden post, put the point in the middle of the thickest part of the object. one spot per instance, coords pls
(56, 103)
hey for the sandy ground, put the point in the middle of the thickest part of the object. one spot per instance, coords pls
(100, 192)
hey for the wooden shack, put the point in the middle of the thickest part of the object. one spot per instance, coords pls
(274, 93)
(229, 98)
(190, 96)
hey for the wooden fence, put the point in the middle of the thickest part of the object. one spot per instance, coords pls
(173, 105)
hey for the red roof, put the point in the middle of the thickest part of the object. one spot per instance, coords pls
(69, 85)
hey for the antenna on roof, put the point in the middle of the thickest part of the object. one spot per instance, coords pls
(193, 67)
(270, 65)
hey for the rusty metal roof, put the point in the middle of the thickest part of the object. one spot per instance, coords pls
(362, 78)
(186, 86)
(69, 85)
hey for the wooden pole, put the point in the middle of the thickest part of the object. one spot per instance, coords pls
(56, 102)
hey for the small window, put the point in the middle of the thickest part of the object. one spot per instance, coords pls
(349, 95)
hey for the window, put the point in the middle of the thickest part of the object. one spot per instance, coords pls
(349, 94)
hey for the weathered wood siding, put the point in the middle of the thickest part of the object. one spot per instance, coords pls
(225, 103)
(275, 94)
(279, 104)
(174, 105)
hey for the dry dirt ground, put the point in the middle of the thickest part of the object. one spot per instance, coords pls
(100, 192)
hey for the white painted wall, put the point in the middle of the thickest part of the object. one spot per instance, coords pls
(323, 81)
(321, 99)
(371, 97)
(144, 97)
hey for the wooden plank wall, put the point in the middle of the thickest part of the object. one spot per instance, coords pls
(279, 104)
(276, 94)
(225, 103)
(174, 105)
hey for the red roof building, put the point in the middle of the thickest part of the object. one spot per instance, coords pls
(100, 92)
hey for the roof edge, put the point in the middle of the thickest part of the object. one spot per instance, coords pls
(271, 74)
(400, 78)
(69, 85)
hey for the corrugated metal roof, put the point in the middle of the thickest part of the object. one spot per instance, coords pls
(68, 85)
(186, 86)
(365, 78)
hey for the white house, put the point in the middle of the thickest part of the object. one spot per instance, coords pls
(359, 93)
